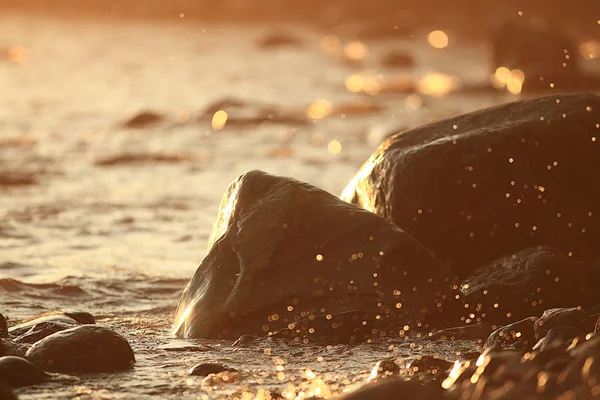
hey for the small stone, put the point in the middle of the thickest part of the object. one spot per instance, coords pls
(398, 60)
(41, 330)
(208, 368)
(16, 372)
(65, 318)
(143, 119)
(277, 40)
(86, 349)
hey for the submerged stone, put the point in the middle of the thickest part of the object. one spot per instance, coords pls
(286, 255)
(396, 388)
(209, 368)
(16, 372)
(478, 186)
(83, 349)
(526, 283)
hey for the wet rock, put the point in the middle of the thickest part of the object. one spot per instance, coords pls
(338, 268)
(559, 336)
(220, 378)
(525, 283)
(41, 330)
(384, 368)
(10, 348)
(6, 393)
(3, 327)
(391, 388)
(516, 336)
(507, 185)
(398, 60)
(573, 317)
(143, 119)
(597, 328)
(275, 40)
(207, 369)
(50, 322)
(83, 349)
(16, 372)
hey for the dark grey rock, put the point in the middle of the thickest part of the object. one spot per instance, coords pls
(11, 348)
(286, 255)
(209, 368)
(41, 330)
(16, 372)
(526, 283)
(143, 119)
(505, 178)
(83, 349)
(516, 336)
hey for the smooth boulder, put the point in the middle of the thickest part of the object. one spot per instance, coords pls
(16, 372)
(285, 255)
(83, 349)
(478, 186)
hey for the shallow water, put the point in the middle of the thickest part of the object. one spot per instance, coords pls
(114, 220)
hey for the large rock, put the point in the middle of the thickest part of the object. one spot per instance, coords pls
(286, 255)
(84, 349)
(527, 283)
(51, 322)
(479, 186)
(16, 372)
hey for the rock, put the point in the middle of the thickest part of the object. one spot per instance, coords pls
(83, 349)
(512, 176)
(7, 394)
(317, 266)
(16, 372)
(597, 328)
(41, 330)
(242, 114)
(17, 178)
(3, 327)
(275, 40)
(58, 318)
(525, 283)
(384, 369)
(398, 60)
(207, 369)
(516, 336)
(143, 119)
(390, 388)
(10, 348)
(573, 317)
(560, 336)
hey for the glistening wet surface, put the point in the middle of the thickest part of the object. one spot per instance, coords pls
(113, 217)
